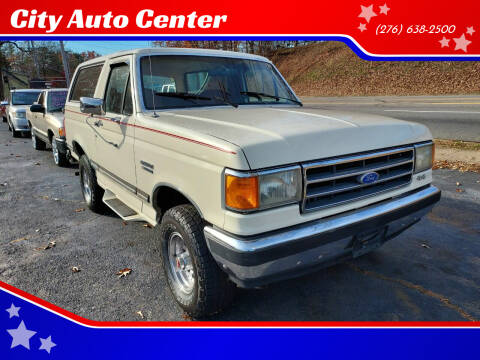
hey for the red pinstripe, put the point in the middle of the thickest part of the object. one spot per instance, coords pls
(163, 133)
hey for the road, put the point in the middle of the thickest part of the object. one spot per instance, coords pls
(431, 272)
(447, 117)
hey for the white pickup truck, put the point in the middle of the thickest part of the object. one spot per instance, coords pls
(243, 185)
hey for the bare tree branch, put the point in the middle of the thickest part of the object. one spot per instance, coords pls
(14, 44)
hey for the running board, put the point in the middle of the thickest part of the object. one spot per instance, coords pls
(120, 208)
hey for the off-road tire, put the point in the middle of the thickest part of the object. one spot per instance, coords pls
(94, 202)
(212, 291)
(36, 142)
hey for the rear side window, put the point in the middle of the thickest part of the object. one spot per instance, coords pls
(86, 82)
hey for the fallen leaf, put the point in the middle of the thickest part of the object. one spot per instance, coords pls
(50, 245)
(45, 197)
(124, 272)
(79, 210)
(426, 246)
(460, 190)
(75, 269)
(185, 316)
(147, 225)
(18, 155)
(124, 223)
(139, 313)
(20, 239)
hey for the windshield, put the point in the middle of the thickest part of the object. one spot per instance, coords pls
(189, 81)
(56, 100)
(24, 97)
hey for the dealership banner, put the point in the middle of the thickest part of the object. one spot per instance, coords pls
(31, 328)
(374, 29)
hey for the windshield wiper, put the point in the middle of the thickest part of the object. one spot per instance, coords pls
(182, 95)
(226, 101)
(258, 95)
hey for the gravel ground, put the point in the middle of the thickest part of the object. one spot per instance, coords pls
(430, 272)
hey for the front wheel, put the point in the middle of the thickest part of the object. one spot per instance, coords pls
(59, 157)
(199, 286)
(92, 192)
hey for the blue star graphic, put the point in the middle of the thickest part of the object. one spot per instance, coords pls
(47, 344)
(13, 311)
(21, 336)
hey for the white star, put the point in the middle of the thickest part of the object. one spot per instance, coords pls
(461, 43)
(470, 30)
(384, 9)
(47, 344)
(362, 27)
(444, 42)
(21, 336)
(13, 311)
(367, 12)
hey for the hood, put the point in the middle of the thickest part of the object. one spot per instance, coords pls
(18, 108)
(272, 136)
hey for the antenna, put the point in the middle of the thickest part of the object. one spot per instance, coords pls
(151, 82)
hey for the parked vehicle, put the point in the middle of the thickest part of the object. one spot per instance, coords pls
(3, 110)
(45, 118)
(243, 185)
(20, 100)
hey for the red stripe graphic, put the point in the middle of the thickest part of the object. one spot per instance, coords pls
(235, 324)
(163, 133)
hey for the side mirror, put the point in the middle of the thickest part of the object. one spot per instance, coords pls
(91, 106)
(37, 108)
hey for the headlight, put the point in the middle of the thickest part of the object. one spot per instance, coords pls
(424, 154)
(262, 190)
(20, 115)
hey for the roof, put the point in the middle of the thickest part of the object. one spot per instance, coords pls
(26, 90)
(178, 51)
(56, 89)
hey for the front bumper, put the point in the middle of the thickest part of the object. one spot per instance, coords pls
(20, 124)
(258, 260)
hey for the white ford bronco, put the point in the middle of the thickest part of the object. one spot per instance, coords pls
(242, 184)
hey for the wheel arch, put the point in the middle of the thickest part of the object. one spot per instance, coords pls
(173, 196)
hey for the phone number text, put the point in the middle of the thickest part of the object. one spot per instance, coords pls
(397, 29)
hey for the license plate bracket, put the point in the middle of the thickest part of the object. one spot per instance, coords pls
(367, 241)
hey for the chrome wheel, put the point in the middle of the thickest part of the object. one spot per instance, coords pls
(180, 262)
(34, 140)
(56, 156)
(86, 186)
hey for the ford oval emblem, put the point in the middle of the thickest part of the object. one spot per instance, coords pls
(368, 178)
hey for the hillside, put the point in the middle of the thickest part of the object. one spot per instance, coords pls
(332, 69)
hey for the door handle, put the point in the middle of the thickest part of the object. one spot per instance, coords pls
(98, 123)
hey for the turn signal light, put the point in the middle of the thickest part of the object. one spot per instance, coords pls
(241, 193)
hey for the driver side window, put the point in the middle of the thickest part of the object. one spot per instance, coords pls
(116, 92)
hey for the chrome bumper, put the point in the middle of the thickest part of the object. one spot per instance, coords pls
(257, 260)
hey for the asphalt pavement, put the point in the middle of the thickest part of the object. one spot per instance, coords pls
(447, 117)
(431, 272)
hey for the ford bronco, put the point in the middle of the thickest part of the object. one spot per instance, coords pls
(242, 185)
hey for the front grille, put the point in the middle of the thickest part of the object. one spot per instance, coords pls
(334, 182)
